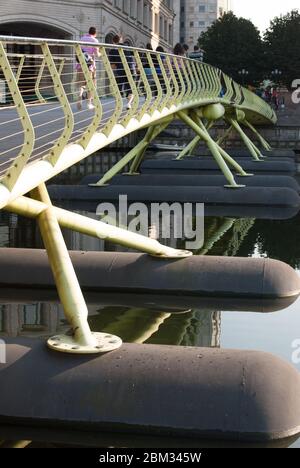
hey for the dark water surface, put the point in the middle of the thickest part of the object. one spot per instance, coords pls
(273, 332)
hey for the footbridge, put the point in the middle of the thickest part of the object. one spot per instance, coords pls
(45, 128)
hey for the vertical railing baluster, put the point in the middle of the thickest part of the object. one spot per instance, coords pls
(11, 176)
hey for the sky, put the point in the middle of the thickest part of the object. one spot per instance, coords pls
(260, 12)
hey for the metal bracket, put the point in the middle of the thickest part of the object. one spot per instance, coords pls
(168, 89)
(63, 100)
(92, 128)
(145, 107)
(14, 171)
(135, 104)
(115, 92)
(20, 67)
(175, 84)
(182, 83)
(38, 82)
(158, 99)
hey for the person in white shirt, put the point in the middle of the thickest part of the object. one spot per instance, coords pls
(91, 53)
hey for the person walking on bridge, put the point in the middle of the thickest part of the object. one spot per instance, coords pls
(90, 54)
(119, 70)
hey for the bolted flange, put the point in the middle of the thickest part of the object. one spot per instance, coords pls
(173, 253)
(104, 342)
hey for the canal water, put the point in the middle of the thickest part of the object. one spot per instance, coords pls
(218, 326)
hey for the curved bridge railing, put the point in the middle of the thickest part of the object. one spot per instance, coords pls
(45, 128)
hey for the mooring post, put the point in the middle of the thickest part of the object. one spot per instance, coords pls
(82, 340)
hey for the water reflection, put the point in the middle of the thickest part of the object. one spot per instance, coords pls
(152, 320)
(133, 325)
(222, 236)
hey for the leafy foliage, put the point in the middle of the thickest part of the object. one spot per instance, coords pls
(233, 44)
(282, 42)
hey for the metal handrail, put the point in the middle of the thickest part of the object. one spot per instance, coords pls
(29, 81)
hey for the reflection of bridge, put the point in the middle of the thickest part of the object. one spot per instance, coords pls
(43, 132)
(194, 328)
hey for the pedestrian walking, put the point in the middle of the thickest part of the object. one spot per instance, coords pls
(90, 54)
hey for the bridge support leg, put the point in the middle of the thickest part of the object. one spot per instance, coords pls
(254, 151)
(190, 148)
(262, 140)
(220, 156)
(136, 154)
(225, 135)
(82, 340)
(25, 206)
(153, 133)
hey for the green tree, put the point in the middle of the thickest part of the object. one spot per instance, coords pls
(234, 44)
(282, 43)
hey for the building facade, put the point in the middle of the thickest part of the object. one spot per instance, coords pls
(138, 21)
(195, 16)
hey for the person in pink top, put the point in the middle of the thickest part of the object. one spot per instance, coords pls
(91, 53)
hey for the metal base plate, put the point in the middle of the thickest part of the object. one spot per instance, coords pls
(234, 186)
(104, 342)
(244, 175)
(131, 173)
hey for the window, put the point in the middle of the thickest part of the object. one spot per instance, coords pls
(133, 8)
(170, 34)
(161, 33)
(126, 6)
(201, 23)
(156, 23)
(191, 24)
(139, 11)
(146, 20)
(2, 309)
(202, 8)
